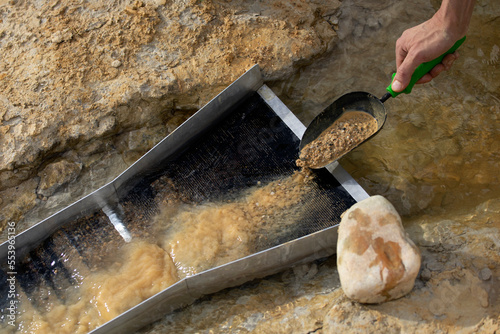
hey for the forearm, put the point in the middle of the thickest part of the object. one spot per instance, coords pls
(455, 16)
(431, 39)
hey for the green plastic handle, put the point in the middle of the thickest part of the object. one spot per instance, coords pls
(423, 69)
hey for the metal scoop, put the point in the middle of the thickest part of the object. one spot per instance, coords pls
(365, 102)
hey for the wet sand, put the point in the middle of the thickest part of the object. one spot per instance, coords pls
(350, 130)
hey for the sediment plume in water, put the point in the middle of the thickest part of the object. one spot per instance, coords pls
(199, 238)
(142, 270)
(193, 239)
(213, 234)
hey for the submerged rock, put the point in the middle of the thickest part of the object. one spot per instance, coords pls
(376, 260)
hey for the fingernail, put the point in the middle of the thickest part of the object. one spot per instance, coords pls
(447, 64)
(397, 86)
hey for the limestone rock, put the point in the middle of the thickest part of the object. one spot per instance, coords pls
(57, 174)
(18, 200)
(376, 260)
(61, 78)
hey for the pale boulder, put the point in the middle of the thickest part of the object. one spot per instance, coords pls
(376, 259)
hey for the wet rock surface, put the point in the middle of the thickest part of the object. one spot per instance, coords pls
(57, 174)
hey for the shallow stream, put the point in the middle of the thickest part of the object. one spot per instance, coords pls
(437, 155)
(436, 159)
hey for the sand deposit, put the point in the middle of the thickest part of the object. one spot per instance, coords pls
(350, 130)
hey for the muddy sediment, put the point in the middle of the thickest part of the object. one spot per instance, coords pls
(93, 282)
(350, 130)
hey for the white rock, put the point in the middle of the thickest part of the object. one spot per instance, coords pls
(376, 259)
(116, 63)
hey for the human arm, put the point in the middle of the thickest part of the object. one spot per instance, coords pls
(431, 39)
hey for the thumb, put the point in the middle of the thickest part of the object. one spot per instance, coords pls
(404, 73)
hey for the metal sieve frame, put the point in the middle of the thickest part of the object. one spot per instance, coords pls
(270, 261)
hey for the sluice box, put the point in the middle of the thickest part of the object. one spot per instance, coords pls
(245, 139)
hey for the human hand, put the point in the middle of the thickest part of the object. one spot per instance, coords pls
(430, 40)
(418, 45)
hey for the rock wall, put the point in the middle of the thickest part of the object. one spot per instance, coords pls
(105, 80)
